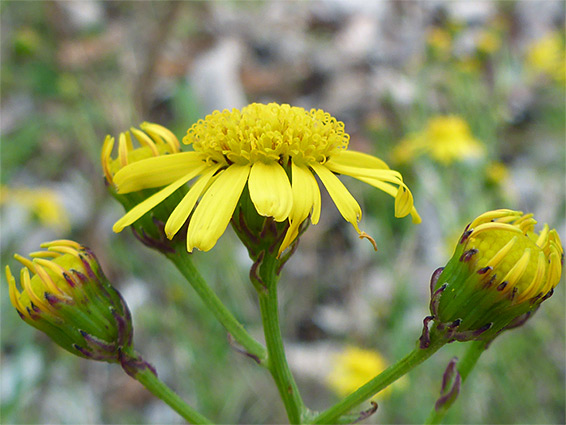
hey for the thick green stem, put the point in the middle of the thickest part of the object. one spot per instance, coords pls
(381, 381)
(185, 265)
(464, 366)
(277, 363)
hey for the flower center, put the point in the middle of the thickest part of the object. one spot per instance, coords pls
(268, 133)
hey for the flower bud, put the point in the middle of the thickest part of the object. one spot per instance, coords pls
(154, 141)
(500, 273)
(68, 297)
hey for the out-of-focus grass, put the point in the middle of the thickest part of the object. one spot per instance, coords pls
(60, 111)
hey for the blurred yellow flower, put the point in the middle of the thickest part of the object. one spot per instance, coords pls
(41, 203)
(488, 42)
(352, 368)
(497, 172)
(469, 65)
(439, 40)
(547, 56)
(446, 139)
(274, 150)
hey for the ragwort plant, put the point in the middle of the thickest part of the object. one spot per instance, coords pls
(255, 169)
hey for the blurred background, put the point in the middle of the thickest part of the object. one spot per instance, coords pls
(466, 99)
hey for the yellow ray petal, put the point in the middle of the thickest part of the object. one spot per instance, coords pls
(391, 176)
(290, 236)
(157, 132)
(184, 208)
(61, 243)
(403, 201)
(139, 210)
(105, 159)
(38, 300)
(554, 271)
(357, 159)
(304, 184)
(270, 190)
(15, 294)
(155, 172)
(145, 140)
(212, 215)
(306, 197)
(345, 202)
(534, 287)
(123, 150)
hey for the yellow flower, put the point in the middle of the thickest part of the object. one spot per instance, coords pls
(273, 149)
(352, 368)
(548, 56)
(446, 139)
(41, 202)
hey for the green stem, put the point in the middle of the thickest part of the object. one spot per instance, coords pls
(185, 265)
(164, 393)
(133, 364)
(381, 381)
(465, 366)
(277, 363)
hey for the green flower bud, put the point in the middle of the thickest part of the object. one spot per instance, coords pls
(68, 297)
(500, 273)
(154, 141)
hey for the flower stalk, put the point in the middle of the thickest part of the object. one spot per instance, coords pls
(184, 264)
(141, 371)
(381, 381)
(265, 281)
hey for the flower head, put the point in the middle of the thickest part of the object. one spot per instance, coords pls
(153, 141)
(272, 150)
(500, 272)
(446, 139)
(68, 297)
(42, 203)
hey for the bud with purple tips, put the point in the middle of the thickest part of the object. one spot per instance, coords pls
(66, 295)
(500, 273)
